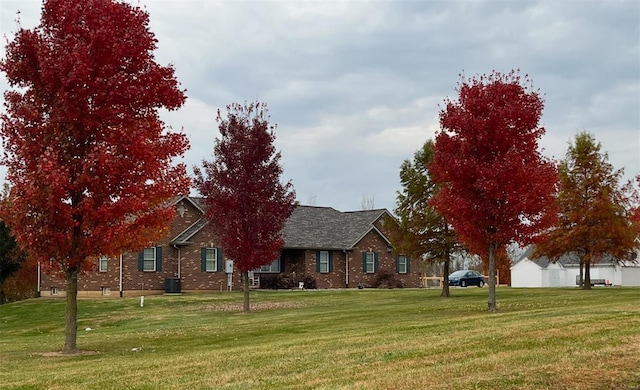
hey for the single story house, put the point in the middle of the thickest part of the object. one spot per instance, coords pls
(336, 249)
(540, 272)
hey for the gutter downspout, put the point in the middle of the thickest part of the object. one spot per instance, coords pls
(346, 268)
(120, 277)
(177, 248)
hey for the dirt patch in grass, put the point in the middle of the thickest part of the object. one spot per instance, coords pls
(254, 306)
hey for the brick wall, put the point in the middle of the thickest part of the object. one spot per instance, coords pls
(186, 261)
(372, 242)
(335, 279)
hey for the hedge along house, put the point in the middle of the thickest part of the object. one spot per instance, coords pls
(332, 248)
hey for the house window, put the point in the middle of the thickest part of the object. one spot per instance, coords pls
(102, 264)
(274, 267)
(149, 259)
(106, 291)
(323, 259)
(54, 290)
(211, 259)
(402, 264)
(370, 262)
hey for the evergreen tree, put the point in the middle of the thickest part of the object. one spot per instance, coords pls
(422, 233)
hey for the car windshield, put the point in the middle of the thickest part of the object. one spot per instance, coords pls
(457, 274)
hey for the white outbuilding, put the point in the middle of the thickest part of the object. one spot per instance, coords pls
(540, 272)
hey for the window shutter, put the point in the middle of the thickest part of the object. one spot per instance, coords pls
(220, 266)
(281, 263)
(318, 261)
(203, 259)
(141, 261)
(375, 262)
(398, 264)
(408, 265)
(158, 258)
(330, 261)
(364, 262)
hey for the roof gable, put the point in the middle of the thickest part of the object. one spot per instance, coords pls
(197, 203)
(328, 228)
(362, 222)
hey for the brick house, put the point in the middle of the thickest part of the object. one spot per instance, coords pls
(337, 249)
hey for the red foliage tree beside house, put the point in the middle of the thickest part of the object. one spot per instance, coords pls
(496, 187)
(247, 204)
(88, 158)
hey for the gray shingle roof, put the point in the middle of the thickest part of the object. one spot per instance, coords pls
(184, 237)
(328, 228)
(567, 260)
(310, 227)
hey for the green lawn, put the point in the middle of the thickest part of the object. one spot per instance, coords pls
(349, 339)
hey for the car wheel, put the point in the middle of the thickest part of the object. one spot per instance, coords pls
(481, 284)
(463, 283)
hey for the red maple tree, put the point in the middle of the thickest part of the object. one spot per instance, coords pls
(496, 187)
(247, 205)
(88, 158)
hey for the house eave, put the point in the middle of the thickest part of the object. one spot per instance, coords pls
(183, 238)
(317, 248)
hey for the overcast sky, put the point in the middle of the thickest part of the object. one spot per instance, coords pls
(355, 87)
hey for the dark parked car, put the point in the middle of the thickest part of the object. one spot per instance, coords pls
(464, 278)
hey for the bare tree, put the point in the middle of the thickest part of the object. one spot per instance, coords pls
(367, 202)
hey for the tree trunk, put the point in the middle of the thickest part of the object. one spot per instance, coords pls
(587, 276)
(245, 288)
(71, 326)
(445, 278)
(491, 304)
(2, 295)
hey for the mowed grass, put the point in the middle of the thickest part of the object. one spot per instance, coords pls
(347, 339)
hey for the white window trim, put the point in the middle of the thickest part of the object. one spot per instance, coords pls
(402, 266)
(144, 260)
(102, 259)
(213, 260)
(324, 262)
(372, 256)
(269, 269)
